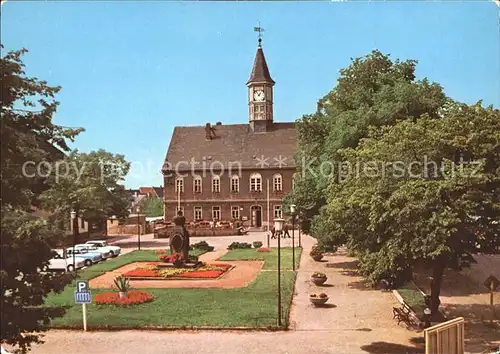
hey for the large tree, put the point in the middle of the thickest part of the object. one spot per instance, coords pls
(420, 191)
(28, 137)
(372, 91)
(89, 183)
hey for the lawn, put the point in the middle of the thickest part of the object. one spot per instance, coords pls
(253, 306)
(270, 258)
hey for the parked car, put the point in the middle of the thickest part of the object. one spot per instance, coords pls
(90, 257)
(103, 245)
(91, 248)
(59, 262)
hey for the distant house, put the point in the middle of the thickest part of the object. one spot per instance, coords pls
(139, 196)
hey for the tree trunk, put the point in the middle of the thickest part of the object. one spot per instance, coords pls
(437, 277)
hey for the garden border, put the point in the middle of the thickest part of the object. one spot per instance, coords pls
(180, 278)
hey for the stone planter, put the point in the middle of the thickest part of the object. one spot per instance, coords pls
(317, 257)
(318, 281)
(318, 301)
(123, 294)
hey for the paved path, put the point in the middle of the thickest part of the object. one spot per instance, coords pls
(361, 322)
(354, 308)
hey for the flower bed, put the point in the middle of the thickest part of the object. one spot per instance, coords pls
(134, 297)
(152, 271)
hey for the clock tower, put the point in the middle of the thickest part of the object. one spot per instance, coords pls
(260, 94)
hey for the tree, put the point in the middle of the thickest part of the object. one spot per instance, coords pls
(372, 91)
(428, 191)
(153, 207)
(27, 135)
(90, 184)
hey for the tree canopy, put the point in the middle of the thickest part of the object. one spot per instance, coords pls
(89, 183)
(153, 207)
(401, 174)
(28, 135)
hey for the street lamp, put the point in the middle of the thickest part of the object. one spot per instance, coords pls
(138, 210)
(292, 211)
(278, 226)
(73, 217)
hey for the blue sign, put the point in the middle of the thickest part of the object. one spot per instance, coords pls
(82, 293)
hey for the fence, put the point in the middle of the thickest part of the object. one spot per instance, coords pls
(445, 338)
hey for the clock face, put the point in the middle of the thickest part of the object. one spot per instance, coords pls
(259, 95)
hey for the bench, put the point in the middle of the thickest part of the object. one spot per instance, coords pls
(402, 314)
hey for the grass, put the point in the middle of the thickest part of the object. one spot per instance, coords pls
(270, 258)
(252, 307)
(413, 297)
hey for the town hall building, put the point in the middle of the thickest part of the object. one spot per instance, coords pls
(237, 171)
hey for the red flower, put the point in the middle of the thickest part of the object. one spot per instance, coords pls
(141, 272)
(171, 258)
(263, 250)
(160, 251)
(209, 274)
(133, 297)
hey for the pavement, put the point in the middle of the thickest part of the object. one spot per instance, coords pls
(357, 321)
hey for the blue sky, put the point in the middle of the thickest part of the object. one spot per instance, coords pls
(132, 70)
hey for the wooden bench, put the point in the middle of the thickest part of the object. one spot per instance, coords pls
(402, 314)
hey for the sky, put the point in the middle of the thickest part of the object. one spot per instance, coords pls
(132, 70)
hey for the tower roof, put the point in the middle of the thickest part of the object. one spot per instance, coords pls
(260, 71)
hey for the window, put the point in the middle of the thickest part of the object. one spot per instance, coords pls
(197, 184)
(278, 212)
(235, 184)
(259, 111)
(179, 185)
(216, 212)
(181, 209)
(216, 184)
(255, 182)
(277, 183)
(198, 213)
(235, 212)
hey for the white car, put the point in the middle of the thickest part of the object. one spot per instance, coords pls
(58, 262)
(93, 249)
(103, 245)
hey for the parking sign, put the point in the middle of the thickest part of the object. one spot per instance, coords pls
(82, 293)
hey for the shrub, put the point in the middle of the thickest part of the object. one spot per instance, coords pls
(133, 298)
(316, 251)
(236, 245)
(122, 283)
(202, 245)
(257, 244)
(318, 275)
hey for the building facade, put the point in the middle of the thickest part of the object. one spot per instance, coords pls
(237, 171)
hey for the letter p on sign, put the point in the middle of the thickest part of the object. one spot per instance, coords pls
(82, 286)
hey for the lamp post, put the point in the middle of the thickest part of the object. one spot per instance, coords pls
(427, 314)
(278, 225)
(73, 217)
(292, 211)
(138, 210)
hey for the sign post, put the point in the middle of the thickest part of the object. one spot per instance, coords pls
(83, 296)
(491, 284)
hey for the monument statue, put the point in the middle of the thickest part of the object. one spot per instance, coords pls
(179, 240)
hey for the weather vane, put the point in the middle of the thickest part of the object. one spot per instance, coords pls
(260, 30)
